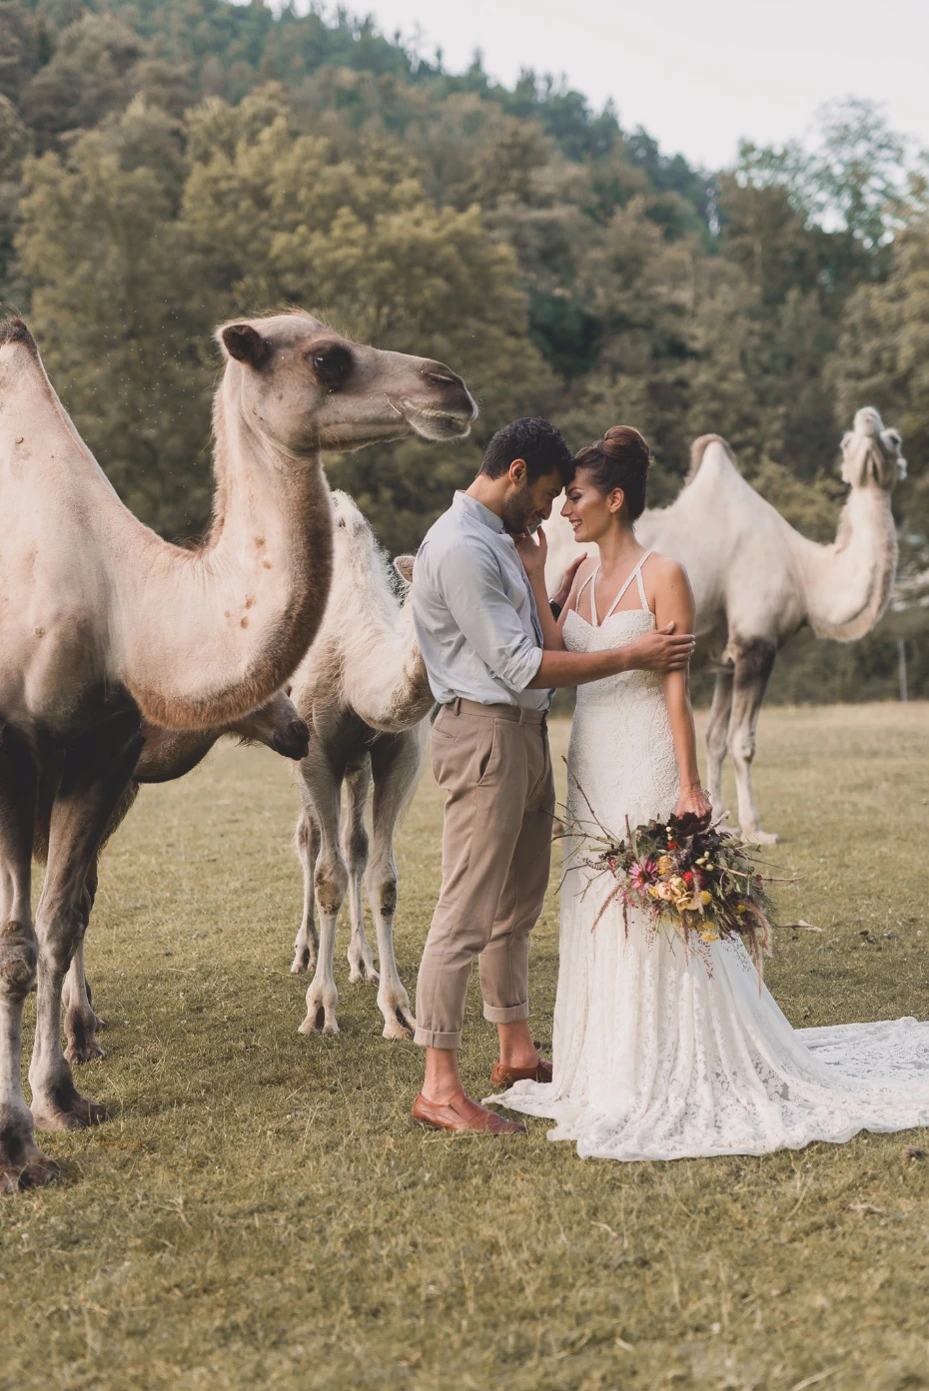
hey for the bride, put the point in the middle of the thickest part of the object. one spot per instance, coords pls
(658, 1055)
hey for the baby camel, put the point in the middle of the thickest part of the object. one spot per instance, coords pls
(362, 689)
(166, 755)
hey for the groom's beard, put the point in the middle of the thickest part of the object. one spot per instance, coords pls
(517, 513)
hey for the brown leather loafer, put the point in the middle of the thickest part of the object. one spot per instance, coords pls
(461, 1113)
(504, 1074)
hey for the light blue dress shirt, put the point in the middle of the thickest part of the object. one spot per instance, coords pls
(474, 612)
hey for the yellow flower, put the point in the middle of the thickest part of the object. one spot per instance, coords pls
(665, 864)
(705, 897)
(709, 933)
(741, 908)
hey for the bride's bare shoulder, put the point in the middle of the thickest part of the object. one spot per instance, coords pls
(665, 570)
(666, 582)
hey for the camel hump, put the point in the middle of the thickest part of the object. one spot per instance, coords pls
(699, 448)
(13, 328)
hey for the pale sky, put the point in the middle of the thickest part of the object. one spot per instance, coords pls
(697, 74)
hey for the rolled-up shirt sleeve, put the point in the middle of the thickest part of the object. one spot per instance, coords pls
(473, 590)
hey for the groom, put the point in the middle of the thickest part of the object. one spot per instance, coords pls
(479, 633)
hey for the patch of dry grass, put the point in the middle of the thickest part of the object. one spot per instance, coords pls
(261, 1212)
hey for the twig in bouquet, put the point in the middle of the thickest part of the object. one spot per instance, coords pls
(572, 774)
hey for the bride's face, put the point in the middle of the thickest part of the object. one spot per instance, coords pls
(590, 513)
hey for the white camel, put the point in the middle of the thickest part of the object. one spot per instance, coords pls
(363, 691)
(166, 755)
(757, 581)
(103, 623)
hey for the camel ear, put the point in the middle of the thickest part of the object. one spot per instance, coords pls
(403, 564)
(246, 344)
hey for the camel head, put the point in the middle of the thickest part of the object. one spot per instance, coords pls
(305, 387)
(353, 530)
(278, 725)
(871, 454)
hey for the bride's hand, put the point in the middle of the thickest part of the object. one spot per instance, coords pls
(693, 799)
(533, 552)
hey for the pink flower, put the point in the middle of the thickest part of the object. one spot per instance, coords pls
(643, 873)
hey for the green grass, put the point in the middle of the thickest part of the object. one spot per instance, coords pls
(260, 1211)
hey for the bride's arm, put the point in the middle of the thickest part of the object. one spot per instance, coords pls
(674, 602)
(533, 553)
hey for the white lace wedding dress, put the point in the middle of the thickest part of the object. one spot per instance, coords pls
(654, 1057)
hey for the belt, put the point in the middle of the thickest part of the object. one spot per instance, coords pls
(516, 713)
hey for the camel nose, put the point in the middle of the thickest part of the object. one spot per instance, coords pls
(437, 374)
(295, 740)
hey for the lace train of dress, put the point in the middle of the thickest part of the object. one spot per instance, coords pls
(655, 1057)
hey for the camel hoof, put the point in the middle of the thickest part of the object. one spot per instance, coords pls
(398, 1021)
(319, 1023)
(22, 1163)
(78, 1113)
(322, 999)
(398, 1030)
(363, 971)
(35, 1173)
(86, 1052)
(304, 961)
(80, 1031)
(760, 837)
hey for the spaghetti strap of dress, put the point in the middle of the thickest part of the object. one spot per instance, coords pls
(636, 575)
(593, 603)
(640, 582)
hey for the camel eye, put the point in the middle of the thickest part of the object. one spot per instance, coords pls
(331, 365)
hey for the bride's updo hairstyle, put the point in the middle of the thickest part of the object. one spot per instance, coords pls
(620, 460)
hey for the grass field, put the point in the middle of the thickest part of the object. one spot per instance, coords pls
(261, 1212)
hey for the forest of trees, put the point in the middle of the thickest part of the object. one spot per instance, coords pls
(166, 164)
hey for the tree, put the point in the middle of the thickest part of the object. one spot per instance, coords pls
(119, 313)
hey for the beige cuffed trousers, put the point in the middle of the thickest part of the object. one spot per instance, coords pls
(493, 762)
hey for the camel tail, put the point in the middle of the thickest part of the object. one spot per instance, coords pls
(699, 448)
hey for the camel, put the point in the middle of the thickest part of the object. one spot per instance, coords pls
(166, 755)
(363, 691)
(757, 581)
(102, 624)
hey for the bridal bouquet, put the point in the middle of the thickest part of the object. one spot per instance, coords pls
(690, 876)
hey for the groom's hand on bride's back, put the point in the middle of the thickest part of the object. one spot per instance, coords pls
(664, 650)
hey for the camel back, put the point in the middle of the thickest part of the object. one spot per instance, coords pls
(699, 448)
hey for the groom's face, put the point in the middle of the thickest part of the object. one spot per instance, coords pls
(527, 503)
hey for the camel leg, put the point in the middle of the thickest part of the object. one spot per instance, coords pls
(395, 764)
(96, 772)
(22, 1163)
(753, 665)
(717, 732)
(80, 1019)
(355, 851)
(324, 785)
(306, 945)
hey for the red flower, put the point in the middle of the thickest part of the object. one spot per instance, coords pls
(688, 876)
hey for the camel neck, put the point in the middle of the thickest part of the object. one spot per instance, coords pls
(848, 583)
(382, 670)
(220, 629)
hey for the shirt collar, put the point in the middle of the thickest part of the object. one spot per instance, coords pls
(478, 511)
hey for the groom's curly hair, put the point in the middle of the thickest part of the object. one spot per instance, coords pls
(533, 439)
